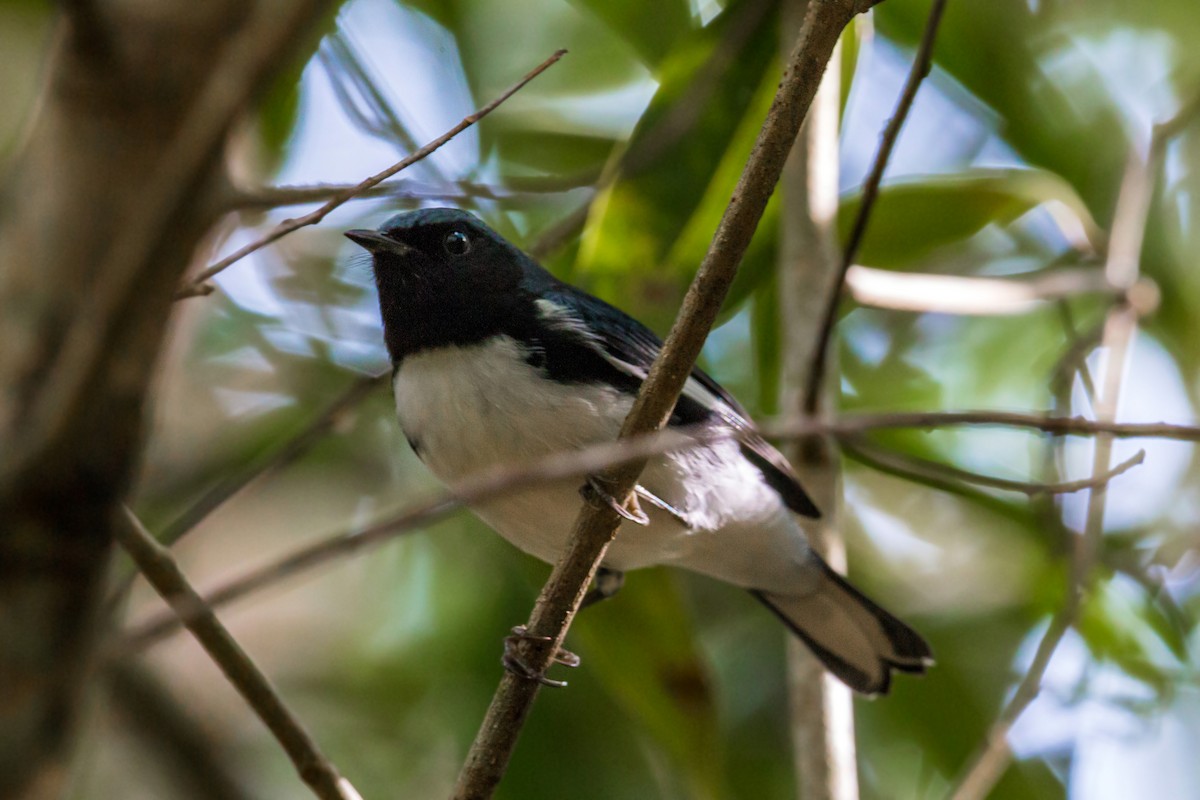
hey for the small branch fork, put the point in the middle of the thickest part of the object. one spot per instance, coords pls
(200, 286)
(159, 567)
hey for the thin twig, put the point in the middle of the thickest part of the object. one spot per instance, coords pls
(857, 423)
(970, 294)
(160, 569)
(558, 466)
(275, 459)
(199, 285)
(457, 191)
(991, 763)
(922, 63)
(359, 390)
(340, 58)
(562, 231)
(597, 523)
(923, 468)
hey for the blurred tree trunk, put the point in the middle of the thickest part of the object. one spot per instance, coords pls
(822, 714)
(81, 327)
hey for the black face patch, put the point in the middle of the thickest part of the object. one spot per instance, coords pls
(454, 281)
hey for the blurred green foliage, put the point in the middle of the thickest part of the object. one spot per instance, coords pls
(391, 658)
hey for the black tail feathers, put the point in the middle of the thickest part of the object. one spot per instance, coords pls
(853, 637)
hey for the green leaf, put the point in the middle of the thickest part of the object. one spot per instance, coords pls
(915, 216)
(1000, 51)
(651, 29)
(677, 149)
(550, 151)
(758, 264)
(641, 644)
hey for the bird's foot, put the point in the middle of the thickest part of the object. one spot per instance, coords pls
(516, 665)
(594, 492)
(608, 582)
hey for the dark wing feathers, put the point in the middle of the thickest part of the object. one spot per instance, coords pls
(587, 323)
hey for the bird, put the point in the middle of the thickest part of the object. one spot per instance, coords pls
(496, 361)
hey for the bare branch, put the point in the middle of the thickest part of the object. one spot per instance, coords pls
(561, 231)
(597, 524)
(989, 765)
(922, 63)
(358, 391)
(903, 463)
(159, 567)
(457, 191)
(198, 286)
(1073, 361)
(970, 295)
(276, 459)
(595, 458)
(850, 424)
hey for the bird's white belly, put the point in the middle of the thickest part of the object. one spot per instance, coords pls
(468, 408)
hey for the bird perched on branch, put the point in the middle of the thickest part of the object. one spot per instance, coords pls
(498, 362)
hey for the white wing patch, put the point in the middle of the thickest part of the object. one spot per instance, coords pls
(562, 318)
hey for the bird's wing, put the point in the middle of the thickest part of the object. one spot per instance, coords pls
(591, 331)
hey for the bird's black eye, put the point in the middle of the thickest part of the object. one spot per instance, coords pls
(457, 243)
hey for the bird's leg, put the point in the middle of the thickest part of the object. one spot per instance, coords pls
(595, 493)
(608, 582)
(513, 662)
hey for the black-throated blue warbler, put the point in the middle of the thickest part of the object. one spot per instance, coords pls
(498, 362)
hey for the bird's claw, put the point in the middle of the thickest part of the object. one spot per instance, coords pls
(593, 491)
(517, 666)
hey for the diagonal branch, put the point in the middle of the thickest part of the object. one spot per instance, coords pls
(159, 567)
(291, 449)
(199, 285)
(597, 524)
(922, 63)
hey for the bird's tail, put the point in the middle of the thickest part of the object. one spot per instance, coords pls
(855, 639)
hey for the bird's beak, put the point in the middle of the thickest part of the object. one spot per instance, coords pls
(375, 242)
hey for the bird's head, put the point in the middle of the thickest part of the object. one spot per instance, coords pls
(444, 277)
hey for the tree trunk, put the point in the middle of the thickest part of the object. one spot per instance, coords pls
(81, 326)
